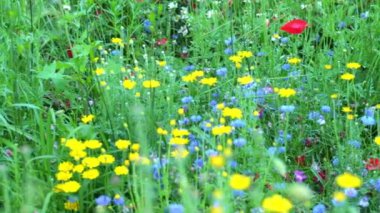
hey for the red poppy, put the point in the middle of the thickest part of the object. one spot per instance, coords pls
(301, 160)
(373, 164)
(296, 26)
(69, 52)
(161, 41)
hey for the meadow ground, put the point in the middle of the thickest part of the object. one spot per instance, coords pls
(189, 106)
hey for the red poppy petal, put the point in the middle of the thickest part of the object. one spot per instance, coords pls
(295, 26)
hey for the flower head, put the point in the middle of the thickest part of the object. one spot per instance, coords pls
(277, 203)
(348, 180)
(239, 182)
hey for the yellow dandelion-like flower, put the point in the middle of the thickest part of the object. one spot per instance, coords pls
(63, 176)
(209, 81)
(377, 140)
(245, 80)
(87, 118)
(339, 196)
(294, 61)
(99, 71)
(90, 174)
(179, 141)
(151, 84)
(328, 66)
(221, 130)
(286, 92)
(122, 144)
(65, 166)
(236, 59)
(93, 144)
(117, 41)
(232, 113)
(348, 180)
(239, 182)
(121, 170)
(161, 131)
(346, 109)
(129, 84)
(245, 54)
(106, 159)
(217, 161)
(347, 77)
(277, 203)
(353, 65)
(161, 63)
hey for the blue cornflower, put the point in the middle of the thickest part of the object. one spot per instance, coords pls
(118, 200)
(189, 68)
(230, 41)
(272, 150)
(355, 143)
(221, 72)
(233, 163)
(211, 152)
(239, 142)
(326, 109)
(286, 66)
(195, 118)
(314, 115)
(228, 51)
(115, 52)
(175, 208)
(261, 54)
(363, 202)
(342, 25)
(287, 108)
(238, 193)
(198, 163)
(284, 40)
(375, 184)
(238, 123)
(330, 53)
(320, 208)
(184, 121)
(279, 186)
(335, 161)
(351, 192)
(187, 100)
(368, 121)
(103, 200)
(364, 15)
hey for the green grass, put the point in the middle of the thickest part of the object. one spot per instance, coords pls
(44, 93)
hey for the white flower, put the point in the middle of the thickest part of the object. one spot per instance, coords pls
(66, 7)
(172, 5)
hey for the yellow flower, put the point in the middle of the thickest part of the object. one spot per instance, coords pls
(334, 96)
(276, 36)
(294, 61)
(209, 81)
(122, 144)
(347, 76)
(63, 176)
(161, 63)
(339, 196)
(161, 131)
(103, 83)
(179, 141)
(328, 66)
(106, 158)
(245, 54)
(277, 203)
(286, 92)
(65, 166)
(350, 117)
(346, 109)
(377, 106)
(74, 144)
(236, 59)
(180, 153)
(129, 84)
(245, 80)
(173, 122)
(348, 180)
(87, 118)
(99, 71)
(78, 168)
(68, 187)
(220, 130)
(90, 174)
(121, 170)
(239, 182)
(238, 65)
(151, 84)
(256, 113)
(232, 113)
(353, 65)
(91, 162)
(77, 154)
(377, 140)
(220, 106)
(93, 144)
(137, 94)
(117, 41)
(133, 156)
(71, 205)
(180, 132)
(135, 147)
(217, 161)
